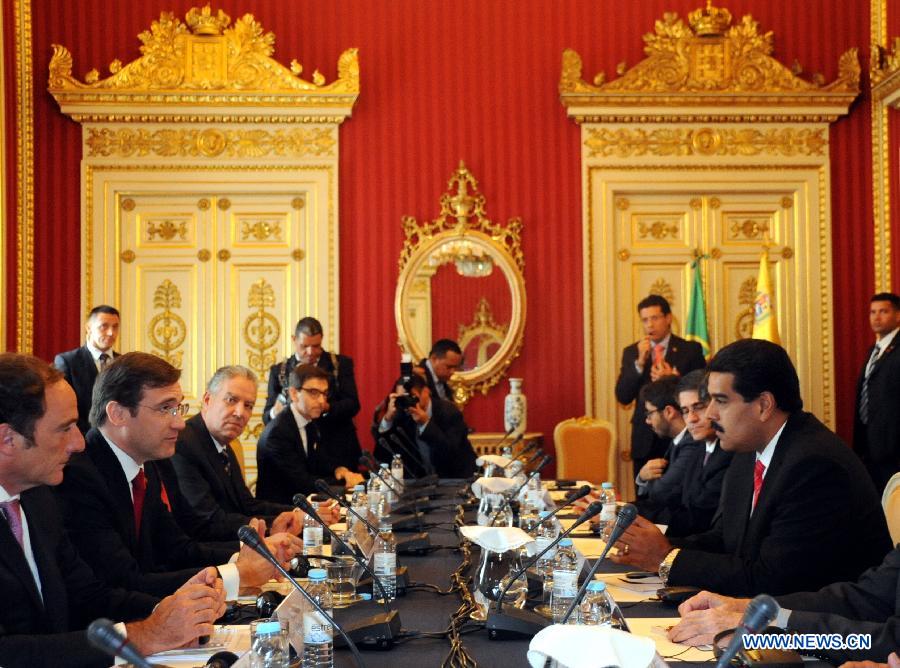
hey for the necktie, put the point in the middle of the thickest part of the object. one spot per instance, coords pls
(139, 490)
(12, 513)
(658, 354)
(104, 361)
(226, 463)
(312, 434)
(864, 390)
(758, 471)
(706, 457)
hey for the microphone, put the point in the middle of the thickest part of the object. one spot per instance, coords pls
(626, 516)
(759, 614)
(506, 436)
(401, 440)
(102, 634)
(323, 487)
(528, 447)
(508, 497)
(385, 626)
(514, 622)
(252, 539)
(223, 659)
(368, 460)
(571, 498)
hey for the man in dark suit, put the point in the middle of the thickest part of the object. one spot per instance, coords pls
(292, 452)
(342, 402)
(797, 510)
(212, 500)
(702, 485)
(444, 359)
(113, 499)
(49, 593)
(660, 353)
(81, 365)
(660, 482)
(876, 428)
(433, 437)
(870, 605)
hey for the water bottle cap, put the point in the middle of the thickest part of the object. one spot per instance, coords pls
(596, 585)
(565, 542)
(272, 626)
(544, 514)
(384, 525)
(359, 488)
(317, 574)
(607, 485)
(384, 465)
(365, 596)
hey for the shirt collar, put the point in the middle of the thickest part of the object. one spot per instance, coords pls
(301, 421)
(664, 343)
(711, 445)
(96, 352)
(766, 455)
(6, 496)
(129, 467)
(681, 436)
(886, 340)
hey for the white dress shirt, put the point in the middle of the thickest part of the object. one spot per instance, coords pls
(26, 540)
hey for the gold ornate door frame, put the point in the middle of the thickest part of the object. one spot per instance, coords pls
(708, 113)
(206, 115)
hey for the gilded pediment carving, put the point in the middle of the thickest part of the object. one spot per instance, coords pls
(206, 59)
(884, 70)
(707, 61)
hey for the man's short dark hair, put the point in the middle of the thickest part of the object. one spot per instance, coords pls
(443, 346)
(413, 382)
(661, 393)
(760, 366)
(694, 381)
(887, 297)
(655, 300)
(303, 372)
(308, 326)
(23, 383)
(103, 308)
(125, 380)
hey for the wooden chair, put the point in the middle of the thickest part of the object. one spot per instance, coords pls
(585, 450)
(890, 501)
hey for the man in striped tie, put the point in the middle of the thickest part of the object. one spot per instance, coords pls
(797, 510)
(876, 429)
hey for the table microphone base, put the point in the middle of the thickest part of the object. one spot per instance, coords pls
(513, 623)
(409, 522)
(417, 543)
(376, 632)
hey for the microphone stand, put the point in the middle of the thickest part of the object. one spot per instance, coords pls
(623, 521)
(508, 498)
(251, 539)
(515, 622)
(383, 627)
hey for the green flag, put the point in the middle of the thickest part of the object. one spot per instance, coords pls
(696, 329)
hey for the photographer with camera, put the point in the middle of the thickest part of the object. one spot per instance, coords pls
(431, 428)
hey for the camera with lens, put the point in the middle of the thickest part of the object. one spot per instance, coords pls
(406, 401)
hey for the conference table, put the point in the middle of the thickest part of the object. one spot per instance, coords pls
(426, 611)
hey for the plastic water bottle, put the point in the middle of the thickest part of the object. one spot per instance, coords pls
(378, 503)
(597, 606)
(610, 509)
(565, 581)
(397, 472)
(546, 534)
(312, 534)
(359, 501)
(534, 492)
(318, 643)
(384, 472)
(529, 520)
(385, 562)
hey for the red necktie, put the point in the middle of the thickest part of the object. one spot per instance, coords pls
(758, 471)
(13, 517)
(138, 489)
(658, 355)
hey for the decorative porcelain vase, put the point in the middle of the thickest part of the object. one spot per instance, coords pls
(515, 408)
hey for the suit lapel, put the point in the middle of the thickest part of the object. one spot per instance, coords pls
(883, 358)
(55, 599)
(208, 446)
(119, 488)
(743, 496)
(12, 555)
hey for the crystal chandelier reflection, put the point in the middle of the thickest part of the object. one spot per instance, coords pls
(471, 260)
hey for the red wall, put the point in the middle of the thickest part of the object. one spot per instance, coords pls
(443, 81)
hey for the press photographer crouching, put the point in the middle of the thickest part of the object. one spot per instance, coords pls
(427, 431)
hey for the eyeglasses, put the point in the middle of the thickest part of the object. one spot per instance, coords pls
(314, 393)
(655, 410)
(696, 409)
(172, 411)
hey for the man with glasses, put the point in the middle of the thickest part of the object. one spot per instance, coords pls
(292, 452)
(342, 403)
(114, 501)
(660, 481)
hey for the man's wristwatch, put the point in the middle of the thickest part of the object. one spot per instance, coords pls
(665, 567)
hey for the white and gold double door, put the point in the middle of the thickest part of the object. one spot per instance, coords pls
(209, 273)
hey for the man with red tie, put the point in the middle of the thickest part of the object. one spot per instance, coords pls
(797, 510)
(660, 353)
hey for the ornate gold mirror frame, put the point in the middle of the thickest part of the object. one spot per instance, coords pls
(462, 223)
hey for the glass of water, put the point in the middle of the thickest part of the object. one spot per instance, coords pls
(340, 580)
(269, 646)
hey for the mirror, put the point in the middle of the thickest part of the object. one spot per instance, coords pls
(461, 278)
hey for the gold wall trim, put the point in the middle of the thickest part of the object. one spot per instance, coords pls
(204, 61)
(884, 71)
(4, 258)
(705, 141)
(25, 177)
(209, 142)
